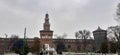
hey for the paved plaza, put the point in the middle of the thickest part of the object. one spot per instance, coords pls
(66, 53)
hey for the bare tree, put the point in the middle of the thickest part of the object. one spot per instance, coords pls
(13, 39)
(115, 32)
(60, 45)
(118, 13)
(14, 36)
(83, 34)
(61, 36)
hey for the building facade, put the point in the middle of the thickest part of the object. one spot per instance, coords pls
(46, 37)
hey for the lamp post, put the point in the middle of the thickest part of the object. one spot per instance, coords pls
(5, 43)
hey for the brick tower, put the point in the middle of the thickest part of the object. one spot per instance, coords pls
(46, 34)
(100, 36)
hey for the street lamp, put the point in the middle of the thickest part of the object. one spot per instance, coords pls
(5, 43)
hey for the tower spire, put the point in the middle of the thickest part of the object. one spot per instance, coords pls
(46, 16)
(46, 24)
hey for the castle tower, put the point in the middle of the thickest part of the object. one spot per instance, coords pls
(100, 36)
(46, 34)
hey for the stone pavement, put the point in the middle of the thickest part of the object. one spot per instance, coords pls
(70, 53)
(66, 53)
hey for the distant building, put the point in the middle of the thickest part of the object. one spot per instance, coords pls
(100, 36)
(46, 37)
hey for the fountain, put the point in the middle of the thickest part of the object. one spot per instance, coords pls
(47, 50)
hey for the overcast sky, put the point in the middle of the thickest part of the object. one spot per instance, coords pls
(66, 16)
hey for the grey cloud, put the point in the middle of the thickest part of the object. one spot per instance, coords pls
(66, 16)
